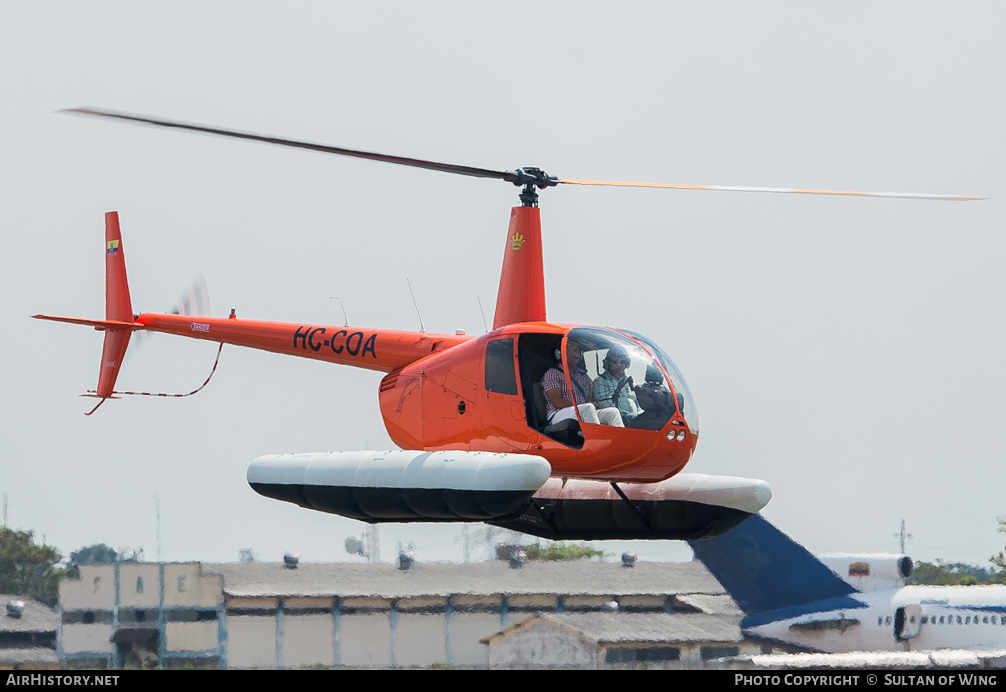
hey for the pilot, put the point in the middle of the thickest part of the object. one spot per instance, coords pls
(656, 400)
(559, 404)
(612, 389)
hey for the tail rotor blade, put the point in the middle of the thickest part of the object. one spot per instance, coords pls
(194, 302)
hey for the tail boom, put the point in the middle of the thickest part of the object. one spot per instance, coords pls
(383, 350)
(372, 349)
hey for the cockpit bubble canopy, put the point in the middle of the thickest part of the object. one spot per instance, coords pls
(633, 376)
(688, 408)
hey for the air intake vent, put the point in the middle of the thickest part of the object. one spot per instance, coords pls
(389, 381)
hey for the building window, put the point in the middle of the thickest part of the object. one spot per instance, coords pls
(711, 652)
(139, 585)
(181, 583)
(620, 656)
(659, 653)
(655, 653)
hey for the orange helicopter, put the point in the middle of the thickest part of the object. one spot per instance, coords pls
(564, 431)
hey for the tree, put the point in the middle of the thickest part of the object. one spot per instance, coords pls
(97, 554)
(553, 552)
(999, 561)
(941, 573)
(27, 569)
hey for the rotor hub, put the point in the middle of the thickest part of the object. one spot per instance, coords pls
(531, 179)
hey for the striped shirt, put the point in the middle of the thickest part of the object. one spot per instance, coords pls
(555, 378)
(605, 386)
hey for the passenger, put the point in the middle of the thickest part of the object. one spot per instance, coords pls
(612, 389)
(559, 404)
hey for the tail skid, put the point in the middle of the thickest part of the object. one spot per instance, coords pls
(103, 399)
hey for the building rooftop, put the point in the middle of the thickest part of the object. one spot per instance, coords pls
(37, 617)
(650, 628)
(33, 656)
(383, 580)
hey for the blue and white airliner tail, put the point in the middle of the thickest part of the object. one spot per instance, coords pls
(848, 602)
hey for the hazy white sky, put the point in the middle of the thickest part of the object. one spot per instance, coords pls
(848, 351)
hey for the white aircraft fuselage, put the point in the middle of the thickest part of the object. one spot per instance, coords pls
(931, 617)
(845, 602)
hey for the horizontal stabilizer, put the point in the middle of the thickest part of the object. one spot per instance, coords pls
(100, 325)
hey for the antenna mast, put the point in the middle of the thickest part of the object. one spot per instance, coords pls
(157, 524)
(902, 536)
(422, 327)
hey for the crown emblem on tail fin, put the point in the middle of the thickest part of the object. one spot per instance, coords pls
(516, 241)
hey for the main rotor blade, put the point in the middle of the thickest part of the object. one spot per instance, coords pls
(517, 177)
(781, 190)
(401, 160)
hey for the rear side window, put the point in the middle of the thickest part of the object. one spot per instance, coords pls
(500, 375)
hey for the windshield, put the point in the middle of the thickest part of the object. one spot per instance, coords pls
(688, 407)
(616, 381)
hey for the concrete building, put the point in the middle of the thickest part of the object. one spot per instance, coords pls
(259, 615)
(27, 634)
(142, 614)
(597, 641)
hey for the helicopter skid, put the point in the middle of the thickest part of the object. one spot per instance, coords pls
(402, 486)
(688, 506)
(513, 491)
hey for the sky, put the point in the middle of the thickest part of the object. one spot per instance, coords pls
(846, 350)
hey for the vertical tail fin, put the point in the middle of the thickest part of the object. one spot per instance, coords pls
(764, 569)
(118, 308)
(521, 297)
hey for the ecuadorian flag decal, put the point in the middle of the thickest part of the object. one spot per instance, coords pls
(112, 247)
